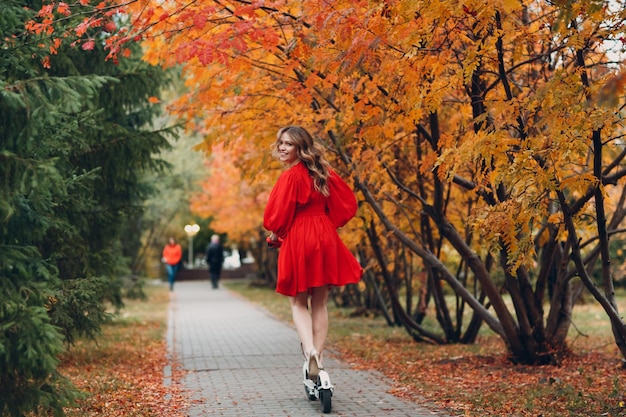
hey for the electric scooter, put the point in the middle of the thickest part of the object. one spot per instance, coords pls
(320, 389)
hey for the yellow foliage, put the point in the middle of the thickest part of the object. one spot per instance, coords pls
(488, 97)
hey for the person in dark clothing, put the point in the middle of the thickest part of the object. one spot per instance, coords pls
(215, 259)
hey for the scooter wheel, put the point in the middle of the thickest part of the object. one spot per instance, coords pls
(325, 399)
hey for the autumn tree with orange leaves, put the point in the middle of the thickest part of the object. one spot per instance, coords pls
(483, 139)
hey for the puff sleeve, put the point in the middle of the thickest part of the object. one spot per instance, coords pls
(289, 191)
(341, 204)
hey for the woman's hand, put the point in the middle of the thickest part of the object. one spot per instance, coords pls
(273, 241)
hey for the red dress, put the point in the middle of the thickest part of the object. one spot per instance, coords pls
(312, 253)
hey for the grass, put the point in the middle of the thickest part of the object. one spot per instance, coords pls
(478, 380)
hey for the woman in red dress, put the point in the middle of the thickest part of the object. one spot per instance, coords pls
(305, 208)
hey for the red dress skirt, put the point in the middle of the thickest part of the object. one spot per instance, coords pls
(312, 253)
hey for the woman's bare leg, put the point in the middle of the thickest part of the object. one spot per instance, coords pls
(319, 317)
(312, 326)
(302, 320)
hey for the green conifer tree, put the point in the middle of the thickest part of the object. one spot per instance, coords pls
(75, 142)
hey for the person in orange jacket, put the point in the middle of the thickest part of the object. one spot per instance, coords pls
(172, 254)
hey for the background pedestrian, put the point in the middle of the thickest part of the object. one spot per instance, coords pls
(172, 254)
(215, 260)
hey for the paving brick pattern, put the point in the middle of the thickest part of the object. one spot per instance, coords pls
(240, 361)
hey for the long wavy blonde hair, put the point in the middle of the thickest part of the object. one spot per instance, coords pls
(310, 152)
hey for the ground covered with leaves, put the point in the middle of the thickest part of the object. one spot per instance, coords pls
(481, 381)
(122, 374)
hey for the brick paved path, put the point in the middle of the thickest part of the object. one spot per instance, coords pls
(240, 361)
